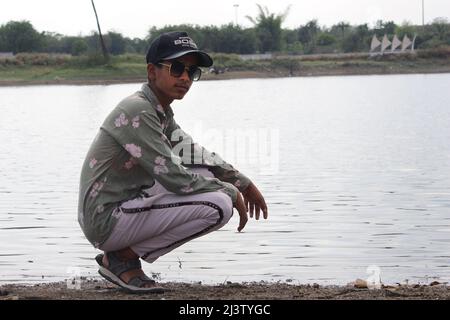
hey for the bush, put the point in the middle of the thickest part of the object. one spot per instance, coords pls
(90, 60)
(40, 59)
(440, 53)
(290, 64)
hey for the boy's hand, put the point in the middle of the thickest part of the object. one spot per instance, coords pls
(240, 207)
(254, 201)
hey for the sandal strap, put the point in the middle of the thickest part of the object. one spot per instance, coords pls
(141, 281)
(118, 266)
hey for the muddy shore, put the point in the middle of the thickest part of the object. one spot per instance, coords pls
(102, 290)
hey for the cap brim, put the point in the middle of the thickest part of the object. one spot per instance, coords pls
(204, 59)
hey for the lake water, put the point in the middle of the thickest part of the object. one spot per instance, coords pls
(357, 179)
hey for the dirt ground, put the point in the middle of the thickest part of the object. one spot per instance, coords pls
(102, 290)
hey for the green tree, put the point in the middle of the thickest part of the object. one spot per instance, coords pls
(342, 28)
(115, 42)
(20, 36)
(307, 35)
(268, 28)
(351, 43)
(357, 39)
(382, 28)
(233, 39)
(53, 42)
(325, 39)
(441, 29)
(405, 29)
(79, 47)
(2, 41)
(389, 27)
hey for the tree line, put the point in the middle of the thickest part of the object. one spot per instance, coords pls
(266, 35)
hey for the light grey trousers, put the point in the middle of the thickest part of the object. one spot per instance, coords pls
(161, 221)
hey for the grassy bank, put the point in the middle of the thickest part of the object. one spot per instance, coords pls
(54, 69)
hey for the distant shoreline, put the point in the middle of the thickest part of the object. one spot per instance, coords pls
(232, 75)
(41, 69)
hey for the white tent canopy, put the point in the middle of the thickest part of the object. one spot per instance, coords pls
(375, 43)
(385, 43)
(395, 43)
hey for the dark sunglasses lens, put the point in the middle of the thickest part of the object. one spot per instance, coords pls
(195, 73)
(177, 69)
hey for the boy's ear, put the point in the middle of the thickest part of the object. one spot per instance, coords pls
(151, 74)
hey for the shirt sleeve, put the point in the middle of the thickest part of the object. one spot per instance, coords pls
(142, 137)
(194, 155)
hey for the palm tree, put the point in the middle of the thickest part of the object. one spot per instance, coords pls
(268, 27)
(343, 26)
(105, 52)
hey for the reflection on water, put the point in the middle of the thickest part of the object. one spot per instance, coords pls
(363, 179)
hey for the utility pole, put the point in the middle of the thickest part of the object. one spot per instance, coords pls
(423, 13)
(236, 6)
(105, 52)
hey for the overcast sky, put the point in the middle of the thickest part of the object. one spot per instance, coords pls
(133, 18)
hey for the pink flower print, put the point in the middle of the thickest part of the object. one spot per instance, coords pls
(121, 121)
(134, 150)
(187, 189)
(135, 122)
(160, 108)
(160, 166)
(96, 189)
(237, 184)
(130, 163)
(160, 161)
(92, 163)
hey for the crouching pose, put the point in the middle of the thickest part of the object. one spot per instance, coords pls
(146, 187)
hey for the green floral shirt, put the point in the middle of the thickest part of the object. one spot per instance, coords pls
(138, 143)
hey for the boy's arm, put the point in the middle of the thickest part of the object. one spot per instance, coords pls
(194, 155)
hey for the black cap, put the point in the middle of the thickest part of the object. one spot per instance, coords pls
(172, 45)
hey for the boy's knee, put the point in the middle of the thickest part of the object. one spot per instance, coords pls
(226, 205)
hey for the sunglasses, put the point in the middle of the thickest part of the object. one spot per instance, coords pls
(176, 69)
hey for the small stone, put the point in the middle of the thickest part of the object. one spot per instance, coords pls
(360, 284)
(316, 286)
(434, 283)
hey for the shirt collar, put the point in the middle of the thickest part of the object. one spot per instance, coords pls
(150, 95)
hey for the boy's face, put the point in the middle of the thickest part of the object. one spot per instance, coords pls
(168, 86)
